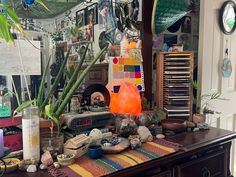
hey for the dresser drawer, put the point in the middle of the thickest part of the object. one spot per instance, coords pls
(212, 165)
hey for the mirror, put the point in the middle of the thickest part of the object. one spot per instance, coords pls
(227, 17)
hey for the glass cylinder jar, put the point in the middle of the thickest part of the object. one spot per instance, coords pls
(31, 135)
(52, 142)
(5, 104)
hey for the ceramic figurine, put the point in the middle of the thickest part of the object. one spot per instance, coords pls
(145, 134)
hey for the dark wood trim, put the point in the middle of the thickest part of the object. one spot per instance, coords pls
(147, 6)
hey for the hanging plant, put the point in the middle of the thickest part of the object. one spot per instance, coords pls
(9, 19)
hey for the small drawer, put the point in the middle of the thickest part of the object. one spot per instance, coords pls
(209, 166)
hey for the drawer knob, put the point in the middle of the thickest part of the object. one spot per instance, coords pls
(206, 172)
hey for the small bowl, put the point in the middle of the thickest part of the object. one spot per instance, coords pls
(11, 164)
(66, 159)
(94, 151)
(175, 125)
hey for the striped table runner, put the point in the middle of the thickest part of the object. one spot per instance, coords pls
(110, 163)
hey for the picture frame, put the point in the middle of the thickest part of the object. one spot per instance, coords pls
(91, 14)
(80, 18)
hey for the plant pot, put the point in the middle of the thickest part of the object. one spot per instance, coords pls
(198, 118)
(47, 125)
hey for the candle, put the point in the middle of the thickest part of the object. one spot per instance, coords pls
(1, 143)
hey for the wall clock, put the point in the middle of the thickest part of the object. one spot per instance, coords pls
(227, 17)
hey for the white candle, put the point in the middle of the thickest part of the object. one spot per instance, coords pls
(1, 143)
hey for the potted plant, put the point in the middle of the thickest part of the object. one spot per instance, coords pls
(203, 104)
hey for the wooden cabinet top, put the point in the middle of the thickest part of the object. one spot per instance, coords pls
(191, 142)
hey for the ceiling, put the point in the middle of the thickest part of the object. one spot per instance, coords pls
(36, 11)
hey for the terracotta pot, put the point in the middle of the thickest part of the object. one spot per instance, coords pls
(47, 125)
(198, 118)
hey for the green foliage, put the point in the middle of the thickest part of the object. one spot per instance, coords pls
(205, 99)
(11, 20)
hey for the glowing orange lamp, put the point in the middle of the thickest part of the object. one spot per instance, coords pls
(126, 101)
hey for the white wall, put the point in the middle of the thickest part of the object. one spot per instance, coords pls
(212, 46)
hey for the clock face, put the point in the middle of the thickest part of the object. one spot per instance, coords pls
(227, 17)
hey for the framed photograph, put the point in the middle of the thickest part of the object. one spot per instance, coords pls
(92, 14)
(80, 18)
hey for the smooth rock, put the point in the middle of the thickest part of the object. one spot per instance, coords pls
(31, 168)
(43, 167)
(196, 129)
(160, 136)
(46, 158)
(145, 134)
(56, 165)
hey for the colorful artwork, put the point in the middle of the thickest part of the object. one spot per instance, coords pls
(126, 70)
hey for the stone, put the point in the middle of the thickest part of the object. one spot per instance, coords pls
(196, 129)
(169, 133)
(135, 143)
(31, 168)
(160, 136)
(42, 167)
(145, 134)
(56, 164)
(46, 158)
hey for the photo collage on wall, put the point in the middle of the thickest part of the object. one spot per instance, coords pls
(179, 33)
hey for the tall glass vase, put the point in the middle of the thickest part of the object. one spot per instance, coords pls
(31, 135)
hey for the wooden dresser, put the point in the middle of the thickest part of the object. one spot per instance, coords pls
(204, 154)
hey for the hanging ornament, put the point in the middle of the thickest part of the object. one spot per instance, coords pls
(226, 65)
(4, 2)
(28, 2)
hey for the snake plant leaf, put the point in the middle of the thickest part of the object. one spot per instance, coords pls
(24, 105)
(14, 20)
(57, 80)
(49, 113)
(41, 87)
(68, 96)
(5, 29)
(71, 81)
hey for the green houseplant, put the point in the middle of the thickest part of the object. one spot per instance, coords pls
(53, 111)
(203, 104)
